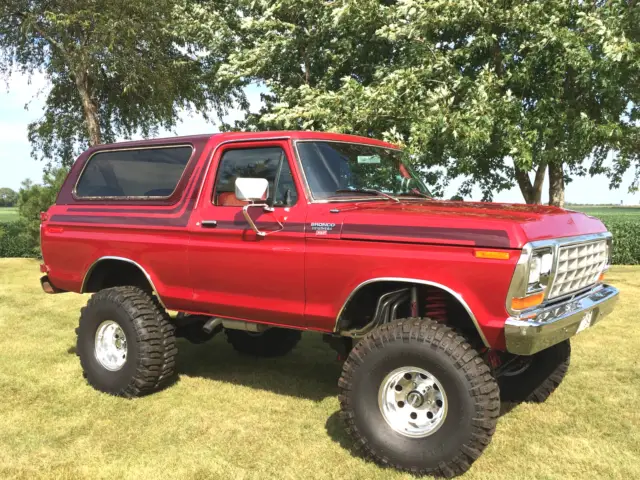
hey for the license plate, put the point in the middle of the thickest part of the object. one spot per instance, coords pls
(586, 321)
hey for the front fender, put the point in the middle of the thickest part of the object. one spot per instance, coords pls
(480, 284)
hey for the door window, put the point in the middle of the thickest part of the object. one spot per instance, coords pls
(268, 162)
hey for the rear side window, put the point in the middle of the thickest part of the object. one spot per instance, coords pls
(147, 172)
(267, 162)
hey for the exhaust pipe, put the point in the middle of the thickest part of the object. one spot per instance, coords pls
(214, 322)
(49, 287)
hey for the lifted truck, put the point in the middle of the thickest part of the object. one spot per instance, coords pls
(440, 309)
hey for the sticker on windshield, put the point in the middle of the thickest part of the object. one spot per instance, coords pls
(368, 158)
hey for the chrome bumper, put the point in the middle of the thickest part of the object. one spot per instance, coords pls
(550, 325)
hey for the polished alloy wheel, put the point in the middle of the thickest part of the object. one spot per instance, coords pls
(111, 346)
(412, 402)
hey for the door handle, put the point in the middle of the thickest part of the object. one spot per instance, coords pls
(209, 223)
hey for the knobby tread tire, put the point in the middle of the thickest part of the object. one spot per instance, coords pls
(484, 390)
(154, 338)
(169, 348)
(274, 342)
(540, 380)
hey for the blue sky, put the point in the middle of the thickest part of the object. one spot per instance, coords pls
(16, 163)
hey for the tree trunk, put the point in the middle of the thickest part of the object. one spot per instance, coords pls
(532, 193)
(90, 109)
(556, 185)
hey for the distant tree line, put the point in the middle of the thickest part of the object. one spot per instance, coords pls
(8, 197)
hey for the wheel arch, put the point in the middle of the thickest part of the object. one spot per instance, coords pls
(108, 271)
(408, 282)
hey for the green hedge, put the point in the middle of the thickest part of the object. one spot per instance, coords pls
(626, 238)
(15, 241)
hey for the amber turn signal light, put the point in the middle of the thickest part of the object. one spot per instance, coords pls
(491, 254)
(527, 302)
(601, 277)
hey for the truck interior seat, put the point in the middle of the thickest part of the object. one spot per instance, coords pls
(229, 199)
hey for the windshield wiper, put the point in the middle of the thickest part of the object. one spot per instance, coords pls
(367, 190)
(415, 191)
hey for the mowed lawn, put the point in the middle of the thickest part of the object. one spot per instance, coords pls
(232, 417)
(8, 214)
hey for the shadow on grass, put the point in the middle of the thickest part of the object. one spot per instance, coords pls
(310, 371)
(336, 430)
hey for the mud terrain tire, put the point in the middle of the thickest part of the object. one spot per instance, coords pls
(472, 397)
(150, 342)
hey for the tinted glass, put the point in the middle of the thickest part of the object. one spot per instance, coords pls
(270, 163)
(336, 170)
(152, 172)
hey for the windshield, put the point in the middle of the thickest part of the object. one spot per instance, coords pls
(337, 170)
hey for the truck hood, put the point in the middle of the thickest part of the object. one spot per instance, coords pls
(489, 225)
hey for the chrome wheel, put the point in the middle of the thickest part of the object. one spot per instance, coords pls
(110, 346)
(413, 402)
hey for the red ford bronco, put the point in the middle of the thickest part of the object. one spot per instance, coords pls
(441, 309)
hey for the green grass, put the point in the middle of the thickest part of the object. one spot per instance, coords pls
(8, 214)
(232, 417)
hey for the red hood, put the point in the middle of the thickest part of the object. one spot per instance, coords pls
(498, 225)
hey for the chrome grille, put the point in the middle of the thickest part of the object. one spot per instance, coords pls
(578, 266)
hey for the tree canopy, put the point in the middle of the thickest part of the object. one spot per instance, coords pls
(8, 197)
(498, 93)
(116, 67)
(464, 85)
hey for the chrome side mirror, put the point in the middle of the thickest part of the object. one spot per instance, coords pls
(254, 190)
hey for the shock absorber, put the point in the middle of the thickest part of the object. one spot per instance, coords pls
(436, 307)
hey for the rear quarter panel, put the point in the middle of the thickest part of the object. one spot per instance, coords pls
(151, 233)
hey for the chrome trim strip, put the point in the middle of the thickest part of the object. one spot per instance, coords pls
(122, 259)
(455, 294)
(557, 323)
(134, 197)
(518, 286)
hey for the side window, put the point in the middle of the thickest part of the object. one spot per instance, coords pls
(147, 172)
(270, 163)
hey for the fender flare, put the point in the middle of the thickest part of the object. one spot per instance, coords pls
(93, 266)
(454, 293)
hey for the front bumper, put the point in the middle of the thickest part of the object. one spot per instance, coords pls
(553, 324)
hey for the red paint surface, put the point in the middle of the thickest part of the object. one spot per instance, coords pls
(299, 276)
